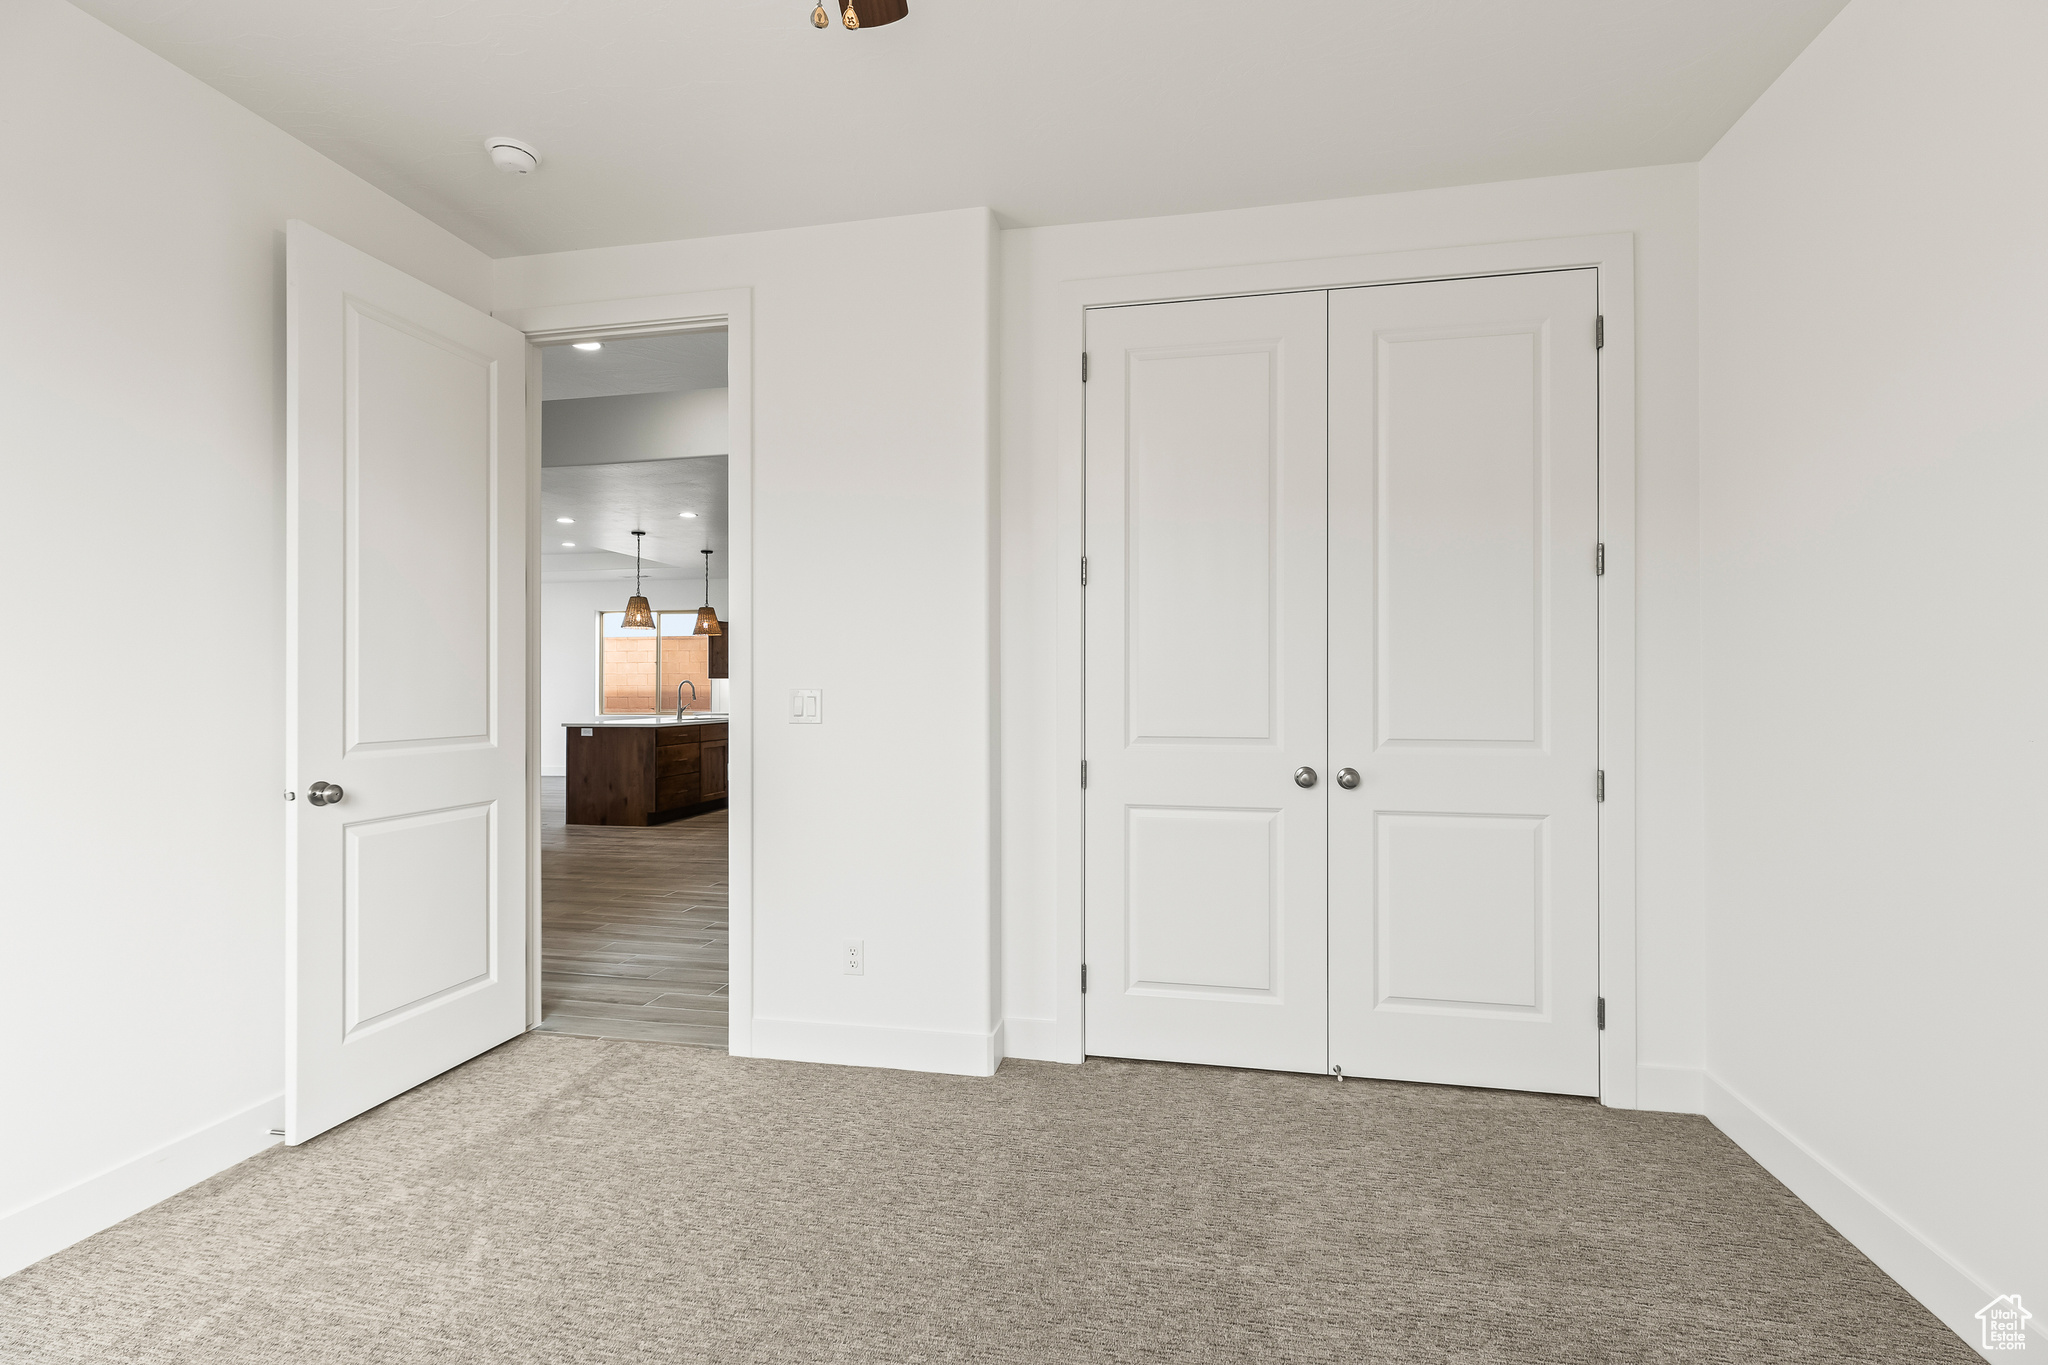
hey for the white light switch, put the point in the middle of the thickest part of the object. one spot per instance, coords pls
(807, 706)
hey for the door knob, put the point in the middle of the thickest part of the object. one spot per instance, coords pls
(324, 794)
(1304, 777)
(1347, 778)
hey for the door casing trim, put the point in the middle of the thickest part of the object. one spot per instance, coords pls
(658, 315)
(1613, 256)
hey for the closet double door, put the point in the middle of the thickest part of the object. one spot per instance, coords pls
(1341, 673)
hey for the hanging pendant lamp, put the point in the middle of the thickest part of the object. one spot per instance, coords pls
(707, 619)
(638, 615)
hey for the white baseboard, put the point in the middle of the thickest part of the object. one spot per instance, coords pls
(904, 1049)
(1032, 1039)
(1921, 1268)
(1671, 1089)
(50, 1224)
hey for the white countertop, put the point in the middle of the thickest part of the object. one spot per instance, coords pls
(644, 722)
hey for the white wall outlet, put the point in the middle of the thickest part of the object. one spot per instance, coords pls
(850, 959)
(807, 706)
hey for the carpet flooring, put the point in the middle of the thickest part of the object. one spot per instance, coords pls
(565, 1199)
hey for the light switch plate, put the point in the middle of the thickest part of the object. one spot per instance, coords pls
(807, 706)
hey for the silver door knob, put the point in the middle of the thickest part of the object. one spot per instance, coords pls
(1304, 777)
(1347, 778)
(324, 794)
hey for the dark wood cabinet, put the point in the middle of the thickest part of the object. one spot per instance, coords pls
(718, 644)
(644, 774)
(713, 788)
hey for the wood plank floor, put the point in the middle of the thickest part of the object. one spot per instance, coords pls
(633, 927)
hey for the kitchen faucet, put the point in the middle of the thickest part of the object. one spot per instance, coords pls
(679, 695)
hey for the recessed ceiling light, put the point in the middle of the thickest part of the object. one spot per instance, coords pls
(686, 514)
(565, 521)
(589, 345)
(568, 544)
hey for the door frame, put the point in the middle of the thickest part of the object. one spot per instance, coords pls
(616, 319)
(1613, 256)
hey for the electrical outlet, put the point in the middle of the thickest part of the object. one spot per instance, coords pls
(850, 960)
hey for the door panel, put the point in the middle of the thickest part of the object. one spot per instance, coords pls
(1459, 520)
(1463, 661)
(417, 901)
(418, 531)
(1202, 905)
(1199, 522)
(405, 597)
(1460, 900)
(1205, 682)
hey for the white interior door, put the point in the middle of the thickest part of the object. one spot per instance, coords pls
(406, 682)
(1206, 444)
(1463, 663)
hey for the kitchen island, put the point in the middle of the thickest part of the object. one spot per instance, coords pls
(645, 771)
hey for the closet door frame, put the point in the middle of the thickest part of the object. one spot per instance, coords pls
(1613, 256)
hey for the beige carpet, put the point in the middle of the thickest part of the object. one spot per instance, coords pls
(569, 1199)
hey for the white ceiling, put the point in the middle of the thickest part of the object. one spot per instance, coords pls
(679, 363)
(660, 119)
(608, 502)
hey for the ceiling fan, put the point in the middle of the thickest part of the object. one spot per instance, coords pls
(862, 13)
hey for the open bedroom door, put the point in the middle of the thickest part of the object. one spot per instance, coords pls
(405, 687)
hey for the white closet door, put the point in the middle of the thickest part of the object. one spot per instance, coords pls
(406, 682)
(1463, 664)
(1206, 862)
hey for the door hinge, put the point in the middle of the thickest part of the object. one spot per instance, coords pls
(1599, 559)
(1600, 1013)
(1599, 332)
(1084, 774)
(1084, 978)
(1599, 784)
(1084, 367)
(1084, 571)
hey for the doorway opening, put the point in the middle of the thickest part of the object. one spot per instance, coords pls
(635, 629)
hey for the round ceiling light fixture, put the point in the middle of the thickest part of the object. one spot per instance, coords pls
(512, 156)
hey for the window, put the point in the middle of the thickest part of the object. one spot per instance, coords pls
(639, 672)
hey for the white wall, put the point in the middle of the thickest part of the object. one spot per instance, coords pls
(1040, 356)
(626, 427)
(1874, 279)
(568, 648)
(142, 935)
(871, 446)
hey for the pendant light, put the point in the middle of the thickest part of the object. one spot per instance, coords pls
(707, 619)
(638, 615)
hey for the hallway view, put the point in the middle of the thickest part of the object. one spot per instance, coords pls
(633, 927)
